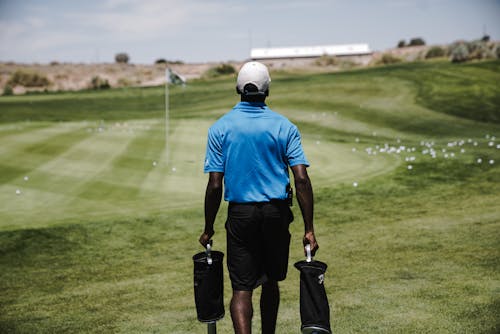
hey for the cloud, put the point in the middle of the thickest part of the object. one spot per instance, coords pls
(136, 19)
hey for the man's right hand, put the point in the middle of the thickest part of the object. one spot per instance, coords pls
(205, 237)
(310, 238)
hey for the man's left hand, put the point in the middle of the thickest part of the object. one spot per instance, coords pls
(205, 237)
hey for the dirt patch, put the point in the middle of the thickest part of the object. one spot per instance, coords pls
(71, 76)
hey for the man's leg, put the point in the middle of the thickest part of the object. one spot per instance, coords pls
(269, 304)
(242, 311)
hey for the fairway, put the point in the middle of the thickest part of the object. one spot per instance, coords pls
(97, 228)
(65, 172)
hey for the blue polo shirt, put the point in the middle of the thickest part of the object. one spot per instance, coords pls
(253, 146)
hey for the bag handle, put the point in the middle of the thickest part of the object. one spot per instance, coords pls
(209, 252)
(308, 253)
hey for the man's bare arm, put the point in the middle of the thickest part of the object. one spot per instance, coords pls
(213, 196)
(305, 198)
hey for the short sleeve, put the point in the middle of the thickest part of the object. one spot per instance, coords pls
(294, 152)
(214, 158)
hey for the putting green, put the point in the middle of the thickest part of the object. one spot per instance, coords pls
(63, 172)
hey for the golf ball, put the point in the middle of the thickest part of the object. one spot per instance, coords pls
(479, 160)
(174, 169)
(154, 163)
(410, 167)
(492, 162)
(26, 178)
(355, 184)
(18, 192)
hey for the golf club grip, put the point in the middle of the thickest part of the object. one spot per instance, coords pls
(209, 252)
(308, 253)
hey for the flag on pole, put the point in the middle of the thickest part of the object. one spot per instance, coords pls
(174, 78)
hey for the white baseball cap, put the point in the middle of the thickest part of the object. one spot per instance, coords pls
(254, 73)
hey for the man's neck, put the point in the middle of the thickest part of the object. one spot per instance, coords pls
(254, 98)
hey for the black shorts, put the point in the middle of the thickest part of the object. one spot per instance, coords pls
(258, 243)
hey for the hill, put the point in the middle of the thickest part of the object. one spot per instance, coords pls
(101, 211)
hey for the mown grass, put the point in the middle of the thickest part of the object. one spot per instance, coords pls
(100, 240)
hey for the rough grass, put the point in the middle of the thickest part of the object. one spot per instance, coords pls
(101, 238)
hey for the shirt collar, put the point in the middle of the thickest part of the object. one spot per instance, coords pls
(252, 107)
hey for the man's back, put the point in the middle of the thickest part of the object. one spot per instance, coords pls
(253, 147)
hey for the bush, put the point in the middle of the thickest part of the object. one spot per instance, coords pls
(7, 90)
(479, 50)
(435, 52)
(122, 58)
(28, 79)
(161, 61)
(401, 43)
(459, 53)
(326, 60)
(99, 83)
(388, 58)
(222, 69)
(416, 41)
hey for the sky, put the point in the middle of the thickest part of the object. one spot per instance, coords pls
(197, 31)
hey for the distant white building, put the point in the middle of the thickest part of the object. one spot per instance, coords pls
(310, 51)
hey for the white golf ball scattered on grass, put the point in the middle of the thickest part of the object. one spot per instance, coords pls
(174, 169)
(154, 163)
(26, 178)
(492, 162)
(410, 167)
(479, 160)
(18, 192)
(355, 184)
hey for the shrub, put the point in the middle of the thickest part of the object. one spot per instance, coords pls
(401, 43)
(435, 52)
(478, 50)
(99, 83)
(122, 58)
(222, 69)
(28, 79)
(459, 53)
(326, 60)
(416, 41)
(388, 58)
(7, 90)
(161, 61)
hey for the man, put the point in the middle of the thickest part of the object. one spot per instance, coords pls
(250, 149)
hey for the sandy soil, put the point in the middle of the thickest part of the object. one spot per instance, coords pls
(72, 76)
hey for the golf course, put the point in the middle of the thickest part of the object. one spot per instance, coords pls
(102, 193)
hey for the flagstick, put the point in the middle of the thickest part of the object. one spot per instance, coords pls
(166, 115)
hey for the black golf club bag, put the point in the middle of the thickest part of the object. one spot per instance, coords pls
(314, 307)
(209, 286)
